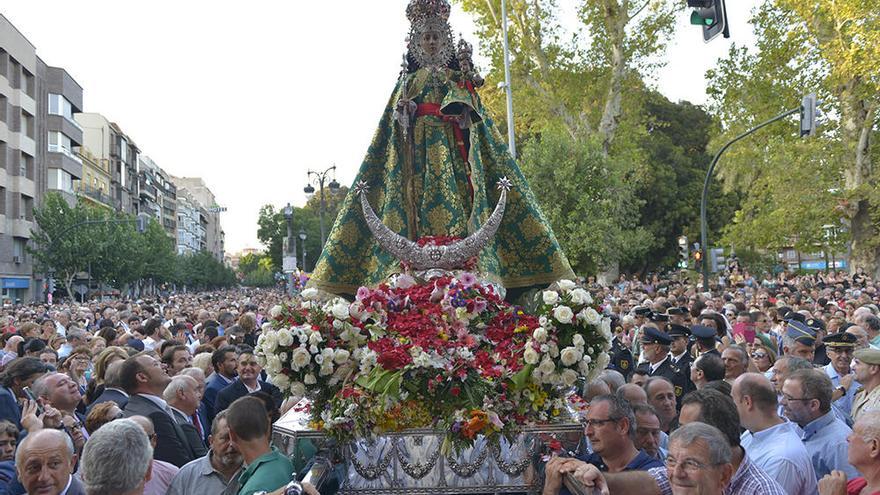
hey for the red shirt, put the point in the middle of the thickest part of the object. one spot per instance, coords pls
(856, 485)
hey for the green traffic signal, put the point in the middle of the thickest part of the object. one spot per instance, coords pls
(699, 20)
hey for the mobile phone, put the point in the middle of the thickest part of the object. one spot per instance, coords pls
(30, 395)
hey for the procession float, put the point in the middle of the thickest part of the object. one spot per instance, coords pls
(417, 373)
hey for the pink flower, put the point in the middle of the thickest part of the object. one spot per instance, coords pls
(467, 279)
(363, 293)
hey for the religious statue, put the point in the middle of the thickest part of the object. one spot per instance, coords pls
(431, 171)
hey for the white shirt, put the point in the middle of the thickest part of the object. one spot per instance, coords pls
(252, 390)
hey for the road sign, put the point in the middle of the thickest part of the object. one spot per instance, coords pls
(217, 209)
(289, 264)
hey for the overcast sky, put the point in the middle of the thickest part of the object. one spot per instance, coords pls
(251, 95)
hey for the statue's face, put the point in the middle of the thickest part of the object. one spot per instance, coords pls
(430, 43)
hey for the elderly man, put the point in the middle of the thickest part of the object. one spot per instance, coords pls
(201, 415)
(161, 472)
(698, 460)
(648, 435)
(661, 397)
(45, 462)
(610, 428)
(867, 372)
(863, 455)
(707, 368)
(736, 362)
(216, 472)
(116, 460)
(144, 379)
(840, 348)
(632, 393)
(61, 392)
(806, 400)
(773, 443)
(182, 396)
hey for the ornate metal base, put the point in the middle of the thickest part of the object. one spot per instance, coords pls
(411, 462)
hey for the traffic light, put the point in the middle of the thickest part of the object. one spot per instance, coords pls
(716, 260)
(808, 115)
(683, 253)
(141, 222)
(712, 15)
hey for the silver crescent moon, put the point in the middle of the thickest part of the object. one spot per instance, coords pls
(449, 257)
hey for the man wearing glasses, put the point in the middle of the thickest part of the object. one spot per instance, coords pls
(611, 428)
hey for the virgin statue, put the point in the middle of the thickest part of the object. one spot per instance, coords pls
(431, 170)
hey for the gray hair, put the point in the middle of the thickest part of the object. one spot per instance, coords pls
(126, 443)
(215, 425)
(869, 421)
(112, 375)
(743, 354)
(40, 388)
(815, 384)
(619, 409)
(613, 378)
(717, 445)
(178, 383)
(797, 363)
(58, 434)
(193, 371)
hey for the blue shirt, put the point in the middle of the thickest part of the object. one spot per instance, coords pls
(825, 440)
(780, 453)
(843, 404)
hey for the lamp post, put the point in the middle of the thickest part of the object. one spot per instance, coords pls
(321, 178)
(302, 238)
(289, 261)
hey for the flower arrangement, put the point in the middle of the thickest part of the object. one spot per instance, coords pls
(445, 353)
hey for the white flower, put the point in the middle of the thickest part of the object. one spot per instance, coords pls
(285, 338)
(605, 327)
(299, 359)
(550, 297)
(310, 379)
(326, 368)
(540, 335)
(309, 294)
(569, 377)
(545, 348)
(281, 381)
(553, 350)
(338, 324)
(547, 366)
(530, 355)
(566, 285)
(563, 314)
(319, 358)
(578, 340)
(283, 356)
(270, 342)
(314, 349)
(275, 311)
(580, 297)
(569, 356)
(591, 316)
(297, 389)
(340, 311)
(315, 338)
(341, 356)
(423, 360)
(273, 365)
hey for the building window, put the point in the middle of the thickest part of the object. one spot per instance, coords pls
(59, 142)
(59, 105)
(3, 155)
(4, 108)
(60, 180)
(26, 166)
(27, 82)
(18, 248)
(27, 208)
(27, 124)
(2, 201)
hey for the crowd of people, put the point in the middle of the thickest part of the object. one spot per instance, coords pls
(759, 386)
(756, 386)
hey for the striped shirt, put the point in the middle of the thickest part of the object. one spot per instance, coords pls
(749, 479)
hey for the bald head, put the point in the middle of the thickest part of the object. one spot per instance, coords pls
(45, 461)
(633, 393)
(47, 439)
(145, 423)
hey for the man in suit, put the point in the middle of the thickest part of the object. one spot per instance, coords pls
(655, 348)
(201, 415)
(225, 363)
(183, 397)
(38, 466)
(144, 379)
(61, 392)
(112, 389)
(248, 382)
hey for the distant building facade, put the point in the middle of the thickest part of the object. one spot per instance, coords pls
(109, 144)
(209, 213)
(158, 195)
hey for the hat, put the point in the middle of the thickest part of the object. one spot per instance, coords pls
(846, 326)
(135, 344)
(868, 356)
(677, 311)
(841, 339)
(795, 316)
(676, 330)
(800, 332)
(654, 336)
(658, 317)
(641, 311)
(703, 332)
(816, 324)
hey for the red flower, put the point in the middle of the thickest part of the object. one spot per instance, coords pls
(455, 391)
(394, 359)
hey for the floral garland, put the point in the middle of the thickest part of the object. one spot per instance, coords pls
(444, 353)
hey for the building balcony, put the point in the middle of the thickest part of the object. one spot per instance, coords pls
(21, 227)
(95, 194)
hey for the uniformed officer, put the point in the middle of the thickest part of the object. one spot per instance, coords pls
(655, 347)
(677, 315)
(641, 314)
(799, 340)
(705, 340)
(868, 374)
(621, 357)
(678, 352)
(840, 349)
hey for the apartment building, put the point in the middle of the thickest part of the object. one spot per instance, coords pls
(107, 142)
(209, 213)
(191, 233)
(62, 97)
(158, 194)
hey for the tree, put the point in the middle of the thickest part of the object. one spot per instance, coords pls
(795, 190)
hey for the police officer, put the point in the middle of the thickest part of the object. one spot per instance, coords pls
(655, 348)
(641, 314)
(821, 356)
(621, 356)
(704, 340)
(677, 315)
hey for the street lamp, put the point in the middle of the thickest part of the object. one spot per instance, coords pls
(302, 238)
(321, 178)
(289, 261)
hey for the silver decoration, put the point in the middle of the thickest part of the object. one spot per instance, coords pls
(450, 257)
(465, 469)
